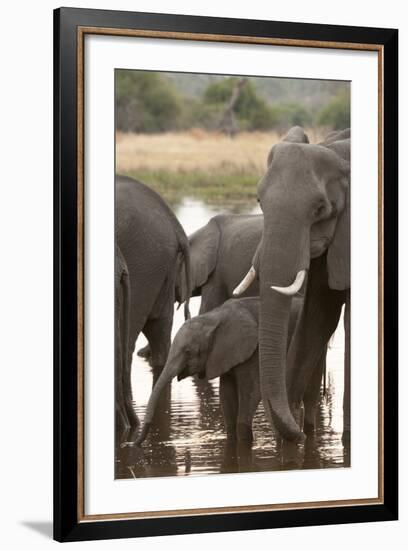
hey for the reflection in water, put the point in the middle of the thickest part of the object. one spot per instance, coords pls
(188, 436)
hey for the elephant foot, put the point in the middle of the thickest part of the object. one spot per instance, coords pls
(145, 352)
(244, 432)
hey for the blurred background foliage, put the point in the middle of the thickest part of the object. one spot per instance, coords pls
(153, 102)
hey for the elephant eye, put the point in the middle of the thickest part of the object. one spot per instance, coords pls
(319, 210)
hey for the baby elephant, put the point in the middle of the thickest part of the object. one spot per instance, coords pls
(221, 343)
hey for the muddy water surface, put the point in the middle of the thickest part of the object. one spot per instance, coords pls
(188, 436)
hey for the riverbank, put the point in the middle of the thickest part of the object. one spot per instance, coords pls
(208, 166)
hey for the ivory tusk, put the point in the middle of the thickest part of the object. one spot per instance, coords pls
(245, 283)
(294, 287)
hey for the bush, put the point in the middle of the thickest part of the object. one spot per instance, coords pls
(145, 102)
(251, 111)
(290, 114)
(336, 114)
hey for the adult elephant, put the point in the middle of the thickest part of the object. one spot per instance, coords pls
(304, 196)
(154, 246)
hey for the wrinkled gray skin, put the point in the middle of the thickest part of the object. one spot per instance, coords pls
(304, 196)
(220, 343)
(220, 253)
(122, 305)
(154, 247)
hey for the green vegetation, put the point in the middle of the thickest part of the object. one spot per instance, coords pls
(237, 189)
(152, 102)
(289, 114)
(252, 111)
(146, 102)
(336, 114)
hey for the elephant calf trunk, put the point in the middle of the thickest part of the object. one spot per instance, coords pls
(171, 369)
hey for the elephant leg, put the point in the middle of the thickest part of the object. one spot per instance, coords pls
(126, 390)
(128, 395)
(249, 396)
(125, 413)
(312, 395)
(158, 333)
(121, 417)
(347, 381)
(317, 322)
(229, 404)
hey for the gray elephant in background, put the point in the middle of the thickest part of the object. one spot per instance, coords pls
(220, 343)
(154, 247)
(304, 196)
(220, 253)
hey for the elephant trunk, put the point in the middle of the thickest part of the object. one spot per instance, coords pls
(172, 368)
(280, 260)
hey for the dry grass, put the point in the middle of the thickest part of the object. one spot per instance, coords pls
(195, 150)
(205, 165)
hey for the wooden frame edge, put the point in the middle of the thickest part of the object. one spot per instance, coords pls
(81, 32)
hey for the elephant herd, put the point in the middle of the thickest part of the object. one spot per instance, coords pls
(272, 289)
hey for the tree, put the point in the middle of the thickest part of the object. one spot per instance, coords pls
(250, 110)
(336, 113)
(288, 114)
(146, 102)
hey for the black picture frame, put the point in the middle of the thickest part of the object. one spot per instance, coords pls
(67, 523)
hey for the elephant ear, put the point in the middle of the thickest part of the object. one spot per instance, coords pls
(338, 255)
(234, 340)
(203, 253)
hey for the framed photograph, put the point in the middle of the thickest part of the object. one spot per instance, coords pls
(225, 274)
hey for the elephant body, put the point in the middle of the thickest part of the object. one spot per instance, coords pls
(154, 248)
(220, 343)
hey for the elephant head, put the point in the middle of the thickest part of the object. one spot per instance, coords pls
(304, 196)
(208, 346)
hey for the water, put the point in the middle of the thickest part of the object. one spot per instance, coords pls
(188, 436)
